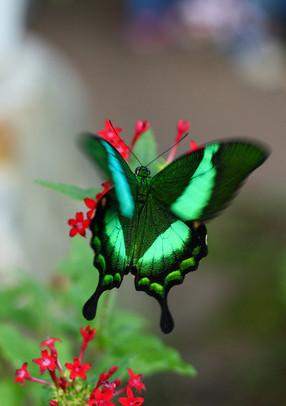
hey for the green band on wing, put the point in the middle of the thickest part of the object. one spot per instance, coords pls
(196, 196)
(166, 245)
(121, 185)
(114, 232)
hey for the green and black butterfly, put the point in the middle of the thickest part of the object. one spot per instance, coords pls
(154, 226)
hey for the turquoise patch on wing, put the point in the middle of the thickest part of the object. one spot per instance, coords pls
(122, 189)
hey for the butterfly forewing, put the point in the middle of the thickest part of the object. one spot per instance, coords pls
(110, 250)
(205, 181)
(114, 167)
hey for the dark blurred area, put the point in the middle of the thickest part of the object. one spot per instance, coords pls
(66, 66)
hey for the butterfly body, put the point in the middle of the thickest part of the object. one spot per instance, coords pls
(153, 227)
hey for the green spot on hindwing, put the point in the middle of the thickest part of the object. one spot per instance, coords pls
(96, 244)
(157, 288)
(196, 251)
(187, 263)
(173, 276)
(117, 277)
(144, 282)
(100, 262)
(107, 280)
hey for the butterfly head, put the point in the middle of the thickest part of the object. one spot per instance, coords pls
(142, 171)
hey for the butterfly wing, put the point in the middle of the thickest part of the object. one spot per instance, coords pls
(114, 167)
(199, 185)
(108, 242)
(166, 248)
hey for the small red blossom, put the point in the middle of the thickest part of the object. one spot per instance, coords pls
(193, 146)
(110, 133)
(78, 225)
(46, 362)
(183, 126)
(91, 205)
(78, 369)
(53, 403)
(112, 385)
(141, 127)
(131, 400)
(101, 398)
(135, 381)
(50, 343)
(87, 333)
(22, 374)
(103, 378)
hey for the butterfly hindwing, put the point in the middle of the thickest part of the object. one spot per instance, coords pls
(199, 185)
(166, 250)
(109, 247)
(104, 155)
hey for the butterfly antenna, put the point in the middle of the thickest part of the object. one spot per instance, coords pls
(167, 150)
(130, 150)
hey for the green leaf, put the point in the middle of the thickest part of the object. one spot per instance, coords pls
(11, 393)
(72, 191)
(128, 344)
(145, 149)
(15, 347)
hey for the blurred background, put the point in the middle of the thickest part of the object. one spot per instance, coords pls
(66, 66)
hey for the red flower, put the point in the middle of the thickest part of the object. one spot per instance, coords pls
(78, 369)
(110, 133)
(183, 126)
(193, 146)
(22, 374)
(78, 225)
(140, 128)
(91, 205)
(106, 188)
(103, 378)
(47, 361)
(53, 403)
(131, 400)
(135, 380)
(123, 150)
(50, 343)
(101, 398)
(112, 385)
(87, 333)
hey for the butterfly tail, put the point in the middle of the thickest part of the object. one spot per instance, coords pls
(90, 307)
(166, 321)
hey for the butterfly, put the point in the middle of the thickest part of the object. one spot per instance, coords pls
(154, 227)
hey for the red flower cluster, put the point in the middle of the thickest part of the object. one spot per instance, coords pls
(81, 222)
(104, 392)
